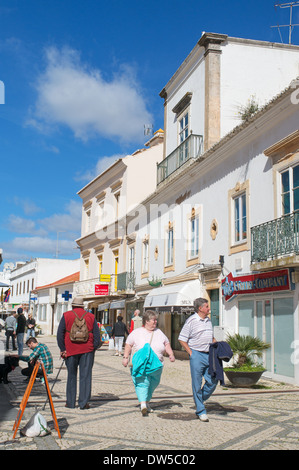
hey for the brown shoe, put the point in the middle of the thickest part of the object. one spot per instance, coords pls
(86, 407)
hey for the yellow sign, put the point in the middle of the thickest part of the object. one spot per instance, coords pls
(105, 277)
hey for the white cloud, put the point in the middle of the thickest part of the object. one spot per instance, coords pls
(68, 221)
(21, 225)
(102, 165)
(74, 95)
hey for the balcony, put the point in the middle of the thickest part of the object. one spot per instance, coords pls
(192, 147)
(122, 283)
(275, 239)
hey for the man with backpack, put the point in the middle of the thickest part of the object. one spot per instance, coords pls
(78, 336)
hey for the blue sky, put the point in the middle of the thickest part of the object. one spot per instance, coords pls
(81, 79)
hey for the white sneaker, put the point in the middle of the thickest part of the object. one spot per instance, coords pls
(144, 410)
(149, 408)
(203, 418)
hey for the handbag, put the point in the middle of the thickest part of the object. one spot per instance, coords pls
(145, 361)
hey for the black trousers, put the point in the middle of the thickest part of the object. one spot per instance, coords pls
(10, 333)
(28, 371)
(83, 362)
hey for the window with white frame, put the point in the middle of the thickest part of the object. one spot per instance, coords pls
(183, 135)
(290, 190)
(240, 218)
(145, 255)
(131, 258)
(194, 236)
(170, 246)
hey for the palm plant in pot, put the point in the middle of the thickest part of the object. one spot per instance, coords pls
(246, 349)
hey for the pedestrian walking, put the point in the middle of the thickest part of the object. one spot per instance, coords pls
(10, 330)
(78, 353)
(136, 321)
(40, 352)
(21, 325)
(196, 337)
(150, 343)
(118, 333)
(30, 323)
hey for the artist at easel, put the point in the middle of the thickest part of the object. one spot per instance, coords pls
(40, 352)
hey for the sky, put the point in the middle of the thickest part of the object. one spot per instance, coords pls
(81, 79)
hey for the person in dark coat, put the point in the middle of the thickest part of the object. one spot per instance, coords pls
(119, 331)
(21, 324)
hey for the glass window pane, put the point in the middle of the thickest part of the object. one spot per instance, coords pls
(285, 183)
(246, 320)
(283, 336)
(296, 176)
(286, 205)
(296, 199)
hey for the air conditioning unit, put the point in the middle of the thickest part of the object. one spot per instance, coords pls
(221, 332)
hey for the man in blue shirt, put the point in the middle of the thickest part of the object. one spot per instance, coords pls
(196, 337)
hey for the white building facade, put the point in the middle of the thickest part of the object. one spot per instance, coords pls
(37, 272)
(107, 275)
(227, 229)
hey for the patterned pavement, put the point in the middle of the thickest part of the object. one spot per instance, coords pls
(240, 419)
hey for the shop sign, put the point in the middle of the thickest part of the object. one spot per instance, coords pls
(101, 289)
(274, 281)
(105, 277)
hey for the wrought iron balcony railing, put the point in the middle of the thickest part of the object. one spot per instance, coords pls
(192, 147)
(126, 281)
(276, 238)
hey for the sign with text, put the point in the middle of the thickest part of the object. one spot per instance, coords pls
(101, 289)
(257, 283)
(105, 277)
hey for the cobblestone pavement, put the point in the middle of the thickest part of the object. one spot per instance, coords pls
(239, 419)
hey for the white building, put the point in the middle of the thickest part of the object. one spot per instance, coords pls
(52, 300)
(103, 243)
(219, 76)
(25, 278)
(227, 229)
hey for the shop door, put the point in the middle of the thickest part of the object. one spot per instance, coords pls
(214, 304)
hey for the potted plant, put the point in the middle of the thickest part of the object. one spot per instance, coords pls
(245, 371)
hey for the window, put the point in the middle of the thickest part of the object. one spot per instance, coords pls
(145, 254)
(116, 259)
(239, 223)
(131, 267)
(86, 268)
(183, 128)
(183, 134)
(193, 234)
(100, 259)
(290, 190)
(240, 218)
(169, 254)
(87, 221)
(194, 237)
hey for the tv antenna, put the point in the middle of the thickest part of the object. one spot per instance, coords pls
(291, 26)
(149, 128)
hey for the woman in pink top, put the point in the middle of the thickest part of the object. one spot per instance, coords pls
(145, 385)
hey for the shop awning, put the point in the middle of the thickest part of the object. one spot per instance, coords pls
(103, 306)
(181, 294)
(118, 304)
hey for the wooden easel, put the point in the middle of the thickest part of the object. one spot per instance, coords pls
(26, 397)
